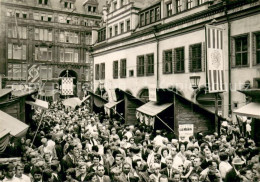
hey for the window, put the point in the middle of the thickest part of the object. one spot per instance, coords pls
(241, 51)
(102, 35)
(110, 32)
(189, 4)
(142, 20)
(94, 9)
(97, 72)
(43, 2)
(43, 53)
(179, 60)
(147, 18)
(195, 58)
(157, 14)
(122, 68)
(131, 73)
(121, 27)
(43, 34)
(167, 62)
(257, 48)
(46, 72)
(69, 37)
(140, 66)
(88, 38)
(68, 5)
(116, 30)
(178, 6)
(150, 64)
(115, 5)
(17, 71)
(169, 9)
(16, 52)
(89, 8)
(69, 55)
(13, 33)
(24, 15)
(44, 17)
(103, 71)
(115, 69)
(200, 2)
(152, 17)
(49, 17)
(128, 25)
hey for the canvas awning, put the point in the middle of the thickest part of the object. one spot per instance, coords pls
(250, 110)
(4, 92)
(152, 108)
(4, 139)
(98, 100)
(39, 103)
(111, 104)
(16, 127)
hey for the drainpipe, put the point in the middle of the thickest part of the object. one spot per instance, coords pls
(229, 61)
(157, 57)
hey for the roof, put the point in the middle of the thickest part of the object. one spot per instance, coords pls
(254, 93)
(250, 110)
(4, 92)
(39, 103)
(144, 3)
(16, 127)
(152, 108)
(21, 93)
(112, 104)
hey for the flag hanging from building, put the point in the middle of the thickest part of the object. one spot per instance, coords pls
(215, 60)
(33, 73)
(67, 86)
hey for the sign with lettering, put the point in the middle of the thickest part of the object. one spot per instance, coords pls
(185, 131)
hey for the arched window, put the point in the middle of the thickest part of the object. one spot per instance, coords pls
(144, 95)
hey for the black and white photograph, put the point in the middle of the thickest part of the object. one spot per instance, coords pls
(129, 90)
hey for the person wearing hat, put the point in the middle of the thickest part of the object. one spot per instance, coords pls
(234, 173)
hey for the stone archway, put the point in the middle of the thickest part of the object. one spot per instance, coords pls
(143, 94)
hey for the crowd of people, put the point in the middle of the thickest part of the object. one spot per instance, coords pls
(78, 145)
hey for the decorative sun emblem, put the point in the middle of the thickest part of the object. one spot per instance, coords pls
(215, 57)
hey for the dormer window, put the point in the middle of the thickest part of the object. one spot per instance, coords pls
(43, 2)
(68, 5)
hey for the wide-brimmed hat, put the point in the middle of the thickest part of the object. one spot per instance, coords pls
(238, 161)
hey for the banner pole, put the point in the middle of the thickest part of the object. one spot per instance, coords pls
(38, 127)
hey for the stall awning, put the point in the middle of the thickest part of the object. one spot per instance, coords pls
(250, 110)
(39, 104)
(152, 108)
(16, 127)
(98, 100)
(109, 105)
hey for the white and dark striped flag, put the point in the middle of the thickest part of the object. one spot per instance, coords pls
(215, 60)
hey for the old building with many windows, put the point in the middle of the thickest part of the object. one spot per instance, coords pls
(42, 39)
(165, 46)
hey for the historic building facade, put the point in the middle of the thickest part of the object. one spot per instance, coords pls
(43, 40)
(162, 44)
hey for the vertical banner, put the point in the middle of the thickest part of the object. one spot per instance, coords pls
(152, 93)
(215, 60)
(185, 131)
(67, 86)
(33, 73)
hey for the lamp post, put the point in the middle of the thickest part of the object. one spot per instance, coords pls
(194, 80)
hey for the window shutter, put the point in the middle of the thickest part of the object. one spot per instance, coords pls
(114, 75)
(174, 61)
(121, 69)
(137, 66)
(145, 65)
(203, 56)
(232, 52)
(163, 66)
(254, 49)
(104, 68)
(248, 49)
(190, 59)
(24, 52)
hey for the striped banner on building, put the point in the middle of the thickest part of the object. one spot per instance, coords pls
(215, 60)
(33, 73)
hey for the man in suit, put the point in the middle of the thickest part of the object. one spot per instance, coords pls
(126, 175)
(169, 170)
(100, 174)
